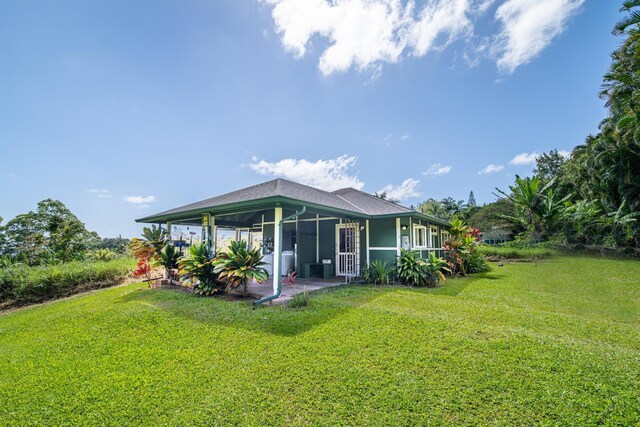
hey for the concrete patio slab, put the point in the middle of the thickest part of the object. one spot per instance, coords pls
(261, 290)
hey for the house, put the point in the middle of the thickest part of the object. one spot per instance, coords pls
(311, 231)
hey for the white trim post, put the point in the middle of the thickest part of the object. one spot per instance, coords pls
(317, 238)
(277, 249)
(366, 223)
(398, 238)
(213, 230)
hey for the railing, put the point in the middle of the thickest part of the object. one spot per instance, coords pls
(348, 264)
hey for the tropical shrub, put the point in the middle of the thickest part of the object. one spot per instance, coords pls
(411, 270)
(168, 258)
(198, 271)
(143, 269)
(101, 255)
(239, 265)
(152, 242)
(435, 267)
(461, 251)
(378, 272)
(23, 284)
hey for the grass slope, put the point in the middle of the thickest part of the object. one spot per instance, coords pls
(556, 342)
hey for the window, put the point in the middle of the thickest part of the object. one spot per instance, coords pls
(434, 238)
(419, 236)
(445, 236)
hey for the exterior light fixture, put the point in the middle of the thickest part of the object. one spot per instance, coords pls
(404, 227)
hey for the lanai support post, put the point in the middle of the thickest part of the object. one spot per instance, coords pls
(213, 230)
(277, 248)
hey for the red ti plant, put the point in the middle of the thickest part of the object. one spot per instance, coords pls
(143, 269)
(475, 233)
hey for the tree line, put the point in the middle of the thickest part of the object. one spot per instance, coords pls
(591, 196)
(51, 234)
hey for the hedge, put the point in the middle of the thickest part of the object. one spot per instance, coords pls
(21, 284)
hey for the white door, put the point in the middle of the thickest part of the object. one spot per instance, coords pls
(347, 250)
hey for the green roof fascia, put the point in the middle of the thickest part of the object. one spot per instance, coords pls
(415, 214)
(231, 207)
(249, 205)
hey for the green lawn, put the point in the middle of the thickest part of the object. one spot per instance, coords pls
(501, 252)
(555, 342)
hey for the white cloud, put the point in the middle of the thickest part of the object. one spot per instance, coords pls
(406, 136)
(101, 193)
(406, 190)
(528, 27)
(524, 159)
(491, 169)
(437, 170)
(365, 33)
(564, 153)
(328, 175)
(140, 200)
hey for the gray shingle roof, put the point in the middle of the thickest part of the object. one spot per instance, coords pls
(369, 203)
(346, 199)
(274, 188)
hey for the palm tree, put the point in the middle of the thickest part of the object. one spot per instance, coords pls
(536, 208)
(633, 18)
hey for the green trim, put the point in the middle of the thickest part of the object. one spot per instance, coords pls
(414, 214)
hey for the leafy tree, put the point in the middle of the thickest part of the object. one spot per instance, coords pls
(492, 217)
(604, 171)
(116, 244)
(549, 166)
(434, 208)
(452, 206)
(50, 234)
(536, 208)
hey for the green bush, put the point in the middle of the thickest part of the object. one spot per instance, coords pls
(413, 271)
(101, 255)
(198, 271)
(496, 253)
(22, 284)
(378, 272)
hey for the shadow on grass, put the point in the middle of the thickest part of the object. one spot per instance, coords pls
(324, 305)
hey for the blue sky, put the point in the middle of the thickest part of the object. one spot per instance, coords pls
(121, 109)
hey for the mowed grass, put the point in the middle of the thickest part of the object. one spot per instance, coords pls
(549, 343)
(501, 252)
